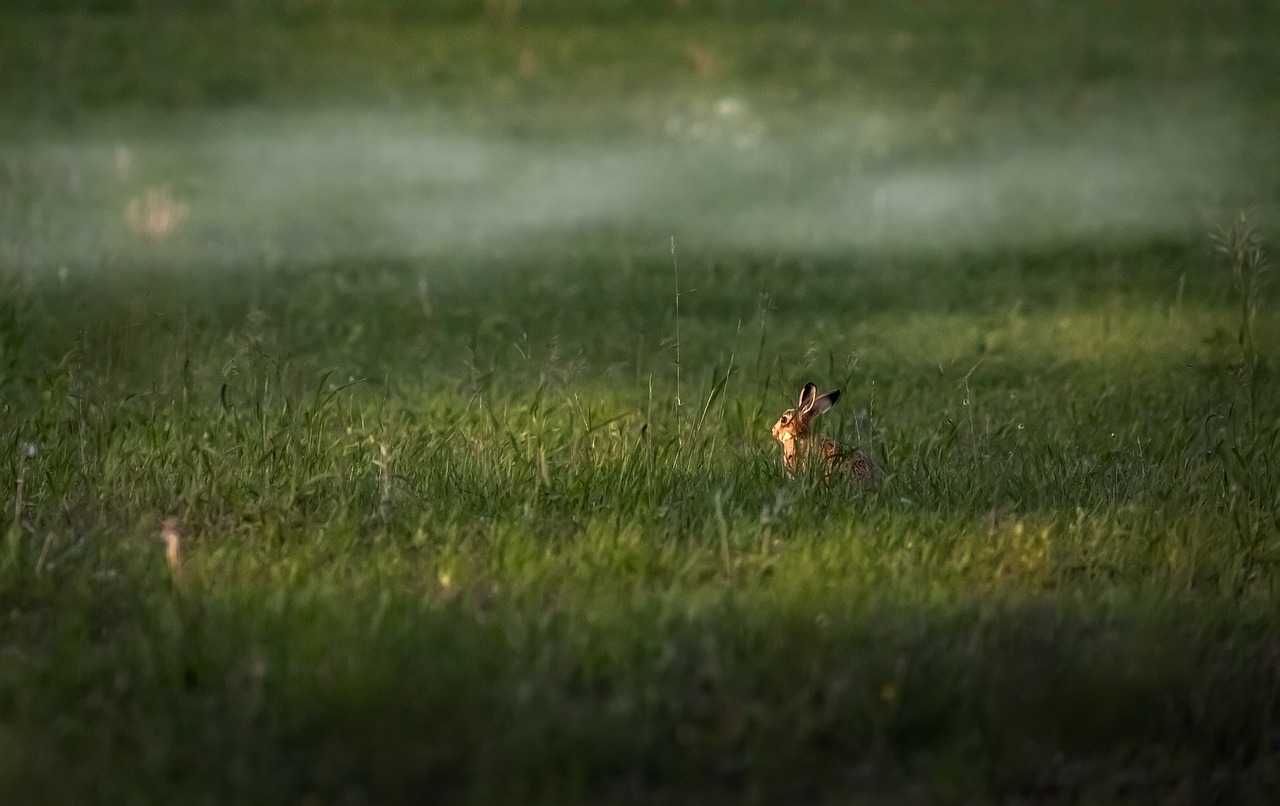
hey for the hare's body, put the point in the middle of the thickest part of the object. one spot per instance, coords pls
(794, 432)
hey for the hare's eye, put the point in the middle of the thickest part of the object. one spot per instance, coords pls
(786, 418)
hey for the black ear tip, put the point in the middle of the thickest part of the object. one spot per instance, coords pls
(834, 394)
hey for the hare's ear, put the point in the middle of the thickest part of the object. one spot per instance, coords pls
(824, 402)
(807, 395)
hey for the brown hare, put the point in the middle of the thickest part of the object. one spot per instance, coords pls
(794, 432)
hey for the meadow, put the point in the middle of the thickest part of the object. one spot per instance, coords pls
(450, 337)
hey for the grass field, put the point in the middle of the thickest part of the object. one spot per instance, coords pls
(380, 305)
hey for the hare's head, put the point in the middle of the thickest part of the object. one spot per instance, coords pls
(794, 424)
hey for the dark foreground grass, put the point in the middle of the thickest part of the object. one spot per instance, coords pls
(451, 531)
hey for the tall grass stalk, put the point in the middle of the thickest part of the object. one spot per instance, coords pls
(1242, 247)
(675, 267)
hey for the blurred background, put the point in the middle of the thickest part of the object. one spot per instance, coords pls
(306, 130)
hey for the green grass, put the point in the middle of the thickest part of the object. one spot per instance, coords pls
(448, 533)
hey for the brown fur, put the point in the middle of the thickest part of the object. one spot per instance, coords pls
(794, 432)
